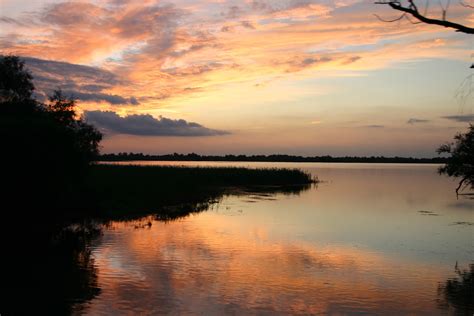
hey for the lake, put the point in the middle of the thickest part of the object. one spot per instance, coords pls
(368, 239)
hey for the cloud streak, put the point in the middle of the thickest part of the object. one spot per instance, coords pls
(80, 82)
(374, 126)
(147, 125)
(466, 118)
(413, 121)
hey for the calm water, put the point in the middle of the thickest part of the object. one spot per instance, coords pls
(376, 239)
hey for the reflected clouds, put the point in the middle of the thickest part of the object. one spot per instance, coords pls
(211, 265)
(349, 245)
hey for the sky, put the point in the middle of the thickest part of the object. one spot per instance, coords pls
(250, 76)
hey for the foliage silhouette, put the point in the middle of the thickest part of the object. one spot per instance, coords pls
(264, 158)
(15, 82)
(124, 191)
(460, 164)
(48, 147)
(47, 152)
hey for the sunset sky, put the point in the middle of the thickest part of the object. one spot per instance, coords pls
(251, 77)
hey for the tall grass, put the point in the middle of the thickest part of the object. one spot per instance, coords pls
(168, 190)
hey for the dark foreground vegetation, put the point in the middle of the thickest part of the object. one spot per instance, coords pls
(461, 161)
(265, 158)
(174, 191)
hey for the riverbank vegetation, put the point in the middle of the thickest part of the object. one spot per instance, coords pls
(460, 163)
(126, 190)
(265, 158)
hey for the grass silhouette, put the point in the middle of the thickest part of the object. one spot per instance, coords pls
(169, 191)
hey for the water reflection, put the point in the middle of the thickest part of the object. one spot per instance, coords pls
(209, 265)
(367, 240)
(457, 293)
(49, 278)
(360, 243)
(58, 274)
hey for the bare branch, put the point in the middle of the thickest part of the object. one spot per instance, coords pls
(394, 20)
(460, 185)
(466, 5)
(410, 20)
(412, 10)
(464, 92)
(412, 5)
(427, 4)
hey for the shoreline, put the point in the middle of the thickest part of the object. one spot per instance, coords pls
(123, 157)
(256, 161)
(130, 190)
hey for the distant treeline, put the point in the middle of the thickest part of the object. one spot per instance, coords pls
(265, 158)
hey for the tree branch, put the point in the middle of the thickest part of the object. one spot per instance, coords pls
(466, 5)
(413, 11)
(393, 20)
(460, 185)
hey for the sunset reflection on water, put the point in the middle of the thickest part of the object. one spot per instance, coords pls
(365, 251)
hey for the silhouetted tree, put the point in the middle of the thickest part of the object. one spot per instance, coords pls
(46, 153)
(461, 161)
(61, 108)
(411, 9)
(86, 137)
(15, 81)
(48, 147)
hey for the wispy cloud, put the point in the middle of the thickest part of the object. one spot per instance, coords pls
(80, 82)
(466, 118)
(147, 125)
(374, 126)
(416, 121)
(100, 97)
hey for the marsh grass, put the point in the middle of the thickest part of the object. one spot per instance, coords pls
(170, 191)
